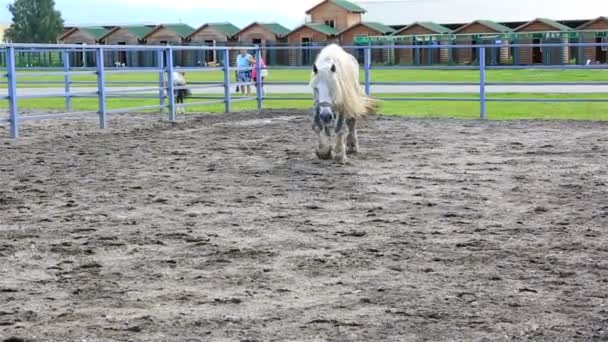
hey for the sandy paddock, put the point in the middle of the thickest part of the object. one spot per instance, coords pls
(226, 228)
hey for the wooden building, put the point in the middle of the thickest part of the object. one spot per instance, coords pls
(347, 38)
(594, 31)
(423, 56)
(211, 34)
(307, 35)
(126, 35)
(89, 35)
(85, 35)
(481, 32)
(338, 14)
(265, 35)
(168, 34)
(540, 31)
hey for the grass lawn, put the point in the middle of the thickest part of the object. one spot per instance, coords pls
(379, 75)
(470, 110)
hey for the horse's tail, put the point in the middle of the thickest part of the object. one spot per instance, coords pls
(372, 106)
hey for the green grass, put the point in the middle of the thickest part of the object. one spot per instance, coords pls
(380, 75)
(468, 110)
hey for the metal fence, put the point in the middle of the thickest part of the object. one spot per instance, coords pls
(93, 60)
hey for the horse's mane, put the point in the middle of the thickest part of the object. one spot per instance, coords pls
(178, 79)
(349, 97)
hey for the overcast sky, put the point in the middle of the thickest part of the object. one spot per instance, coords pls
(291, 12)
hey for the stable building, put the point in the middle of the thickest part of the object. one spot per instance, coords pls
(211, 34)
(539, 31)
(84, 35)
(263, 35)
(126, 35)
(480, 32)
(338, 14)
(424, 34)
(349, 36)
(89, 35)
(168, 34)
(593, 31)
(309, 35)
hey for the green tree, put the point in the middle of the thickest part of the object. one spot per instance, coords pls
(34, 21)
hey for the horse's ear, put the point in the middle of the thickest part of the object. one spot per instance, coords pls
(314, 68)
(333, 68)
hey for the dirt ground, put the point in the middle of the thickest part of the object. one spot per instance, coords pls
(227, 228)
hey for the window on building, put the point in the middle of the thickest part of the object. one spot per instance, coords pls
(331, 23)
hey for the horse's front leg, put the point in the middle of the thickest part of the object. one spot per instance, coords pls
(341, 135)
(180, 101)
(352, 141)
(324, 150)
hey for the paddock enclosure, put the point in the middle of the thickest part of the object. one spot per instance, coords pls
(227, 228)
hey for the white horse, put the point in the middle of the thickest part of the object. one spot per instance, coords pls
(179, 80)
(338, 99)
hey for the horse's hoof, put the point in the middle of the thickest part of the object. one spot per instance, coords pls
(352, 150)
(324, 156)
(341, 158)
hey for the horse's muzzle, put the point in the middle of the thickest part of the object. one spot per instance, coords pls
(326, 118)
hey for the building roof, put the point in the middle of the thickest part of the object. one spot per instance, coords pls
(428, 25)
(139, 31)
(321, 28)
(182, 30)
(591, 22)
(94, 31)
(374, 26)
(276, 28)
(379, 27)
(487, 23)
(464, 11)
(226, 28)
(346, 5)
(548, 22)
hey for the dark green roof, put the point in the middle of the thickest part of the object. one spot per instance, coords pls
(549, 22)
(379, 27)
(491, 24)
(226, 28)
(322, 28)
(428, 25)
(182, 29)
(432, 26)
(374, 26)
(276, 28)
(95, 31)
(496, 26)
(590, 22)
(347, 5)
(138, 31)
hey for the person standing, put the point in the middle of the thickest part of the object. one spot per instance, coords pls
(263, 71)
(244, 62)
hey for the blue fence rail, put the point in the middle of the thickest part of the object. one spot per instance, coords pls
(166, 65)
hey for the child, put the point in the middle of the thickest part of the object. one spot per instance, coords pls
(264, 73)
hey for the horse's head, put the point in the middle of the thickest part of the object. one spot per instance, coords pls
(324, 87)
